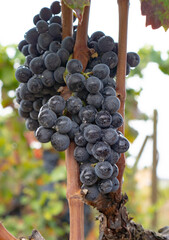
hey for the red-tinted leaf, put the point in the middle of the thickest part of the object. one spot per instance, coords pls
(156, 12)
(77, 6)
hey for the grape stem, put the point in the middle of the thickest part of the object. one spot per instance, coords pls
(4, 234)
(81, 52)
(123, 6)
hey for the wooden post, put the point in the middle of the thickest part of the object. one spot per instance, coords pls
(154, 170)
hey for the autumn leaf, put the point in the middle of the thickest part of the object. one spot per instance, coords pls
(156, 12)
(78, 6)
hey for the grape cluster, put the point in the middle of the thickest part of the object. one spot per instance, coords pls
(89, 117)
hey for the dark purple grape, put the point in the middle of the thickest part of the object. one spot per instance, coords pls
(44, 135)
(74, 66)
(74, 104)
(105, 186)
(80, 154)
(106, 43)
(63, 124)
(47, 118)
(104, 170)
(122, 145)
(91, 192)
(92, 133)
(57, 104)
(45, 14)
(60, 141)
(88, 176)
(101, 150)
(110, 136)
(101, 71)
(103, 119)
(55, 7)
(133, 59)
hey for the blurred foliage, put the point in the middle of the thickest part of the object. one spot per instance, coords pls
(26, 198)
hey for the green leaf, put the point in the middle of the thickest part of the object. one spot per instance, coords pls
(78, 6)
(156, 12)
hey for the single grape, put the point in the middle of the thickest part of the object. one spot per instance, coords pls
(122, 145)
(45, 14)
(101, 150)
(23, 74)
(104, 170)
(75, 82)
(95, 100)
(110, 59)
(35, 85)
(57, 104)
(26, 105)
(80, 140)
(111, 104)
(96, 36)
(58, 75)
(116, 185)
(103, 119)
(60, 141)
(31, 124)
(110, 136)
(133, 59)
(44, 40)
(63, 124)
(48, 78)
(117, 120)
(92, 133)
(74, 66)
(55, 7)
(31, 36)
(44, 135)
(101, 71)
(87, 114)
(80, 154)
(52, 61)
(41, 26)
(93, 84)
(91, 192)
(74, 104)
(47, 118)
(88, 176)
(106, 43)
(105, 186)
(37, 65)
(68, 44)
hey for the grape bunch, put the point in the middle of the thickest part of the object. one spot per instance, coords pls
(89, 117)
